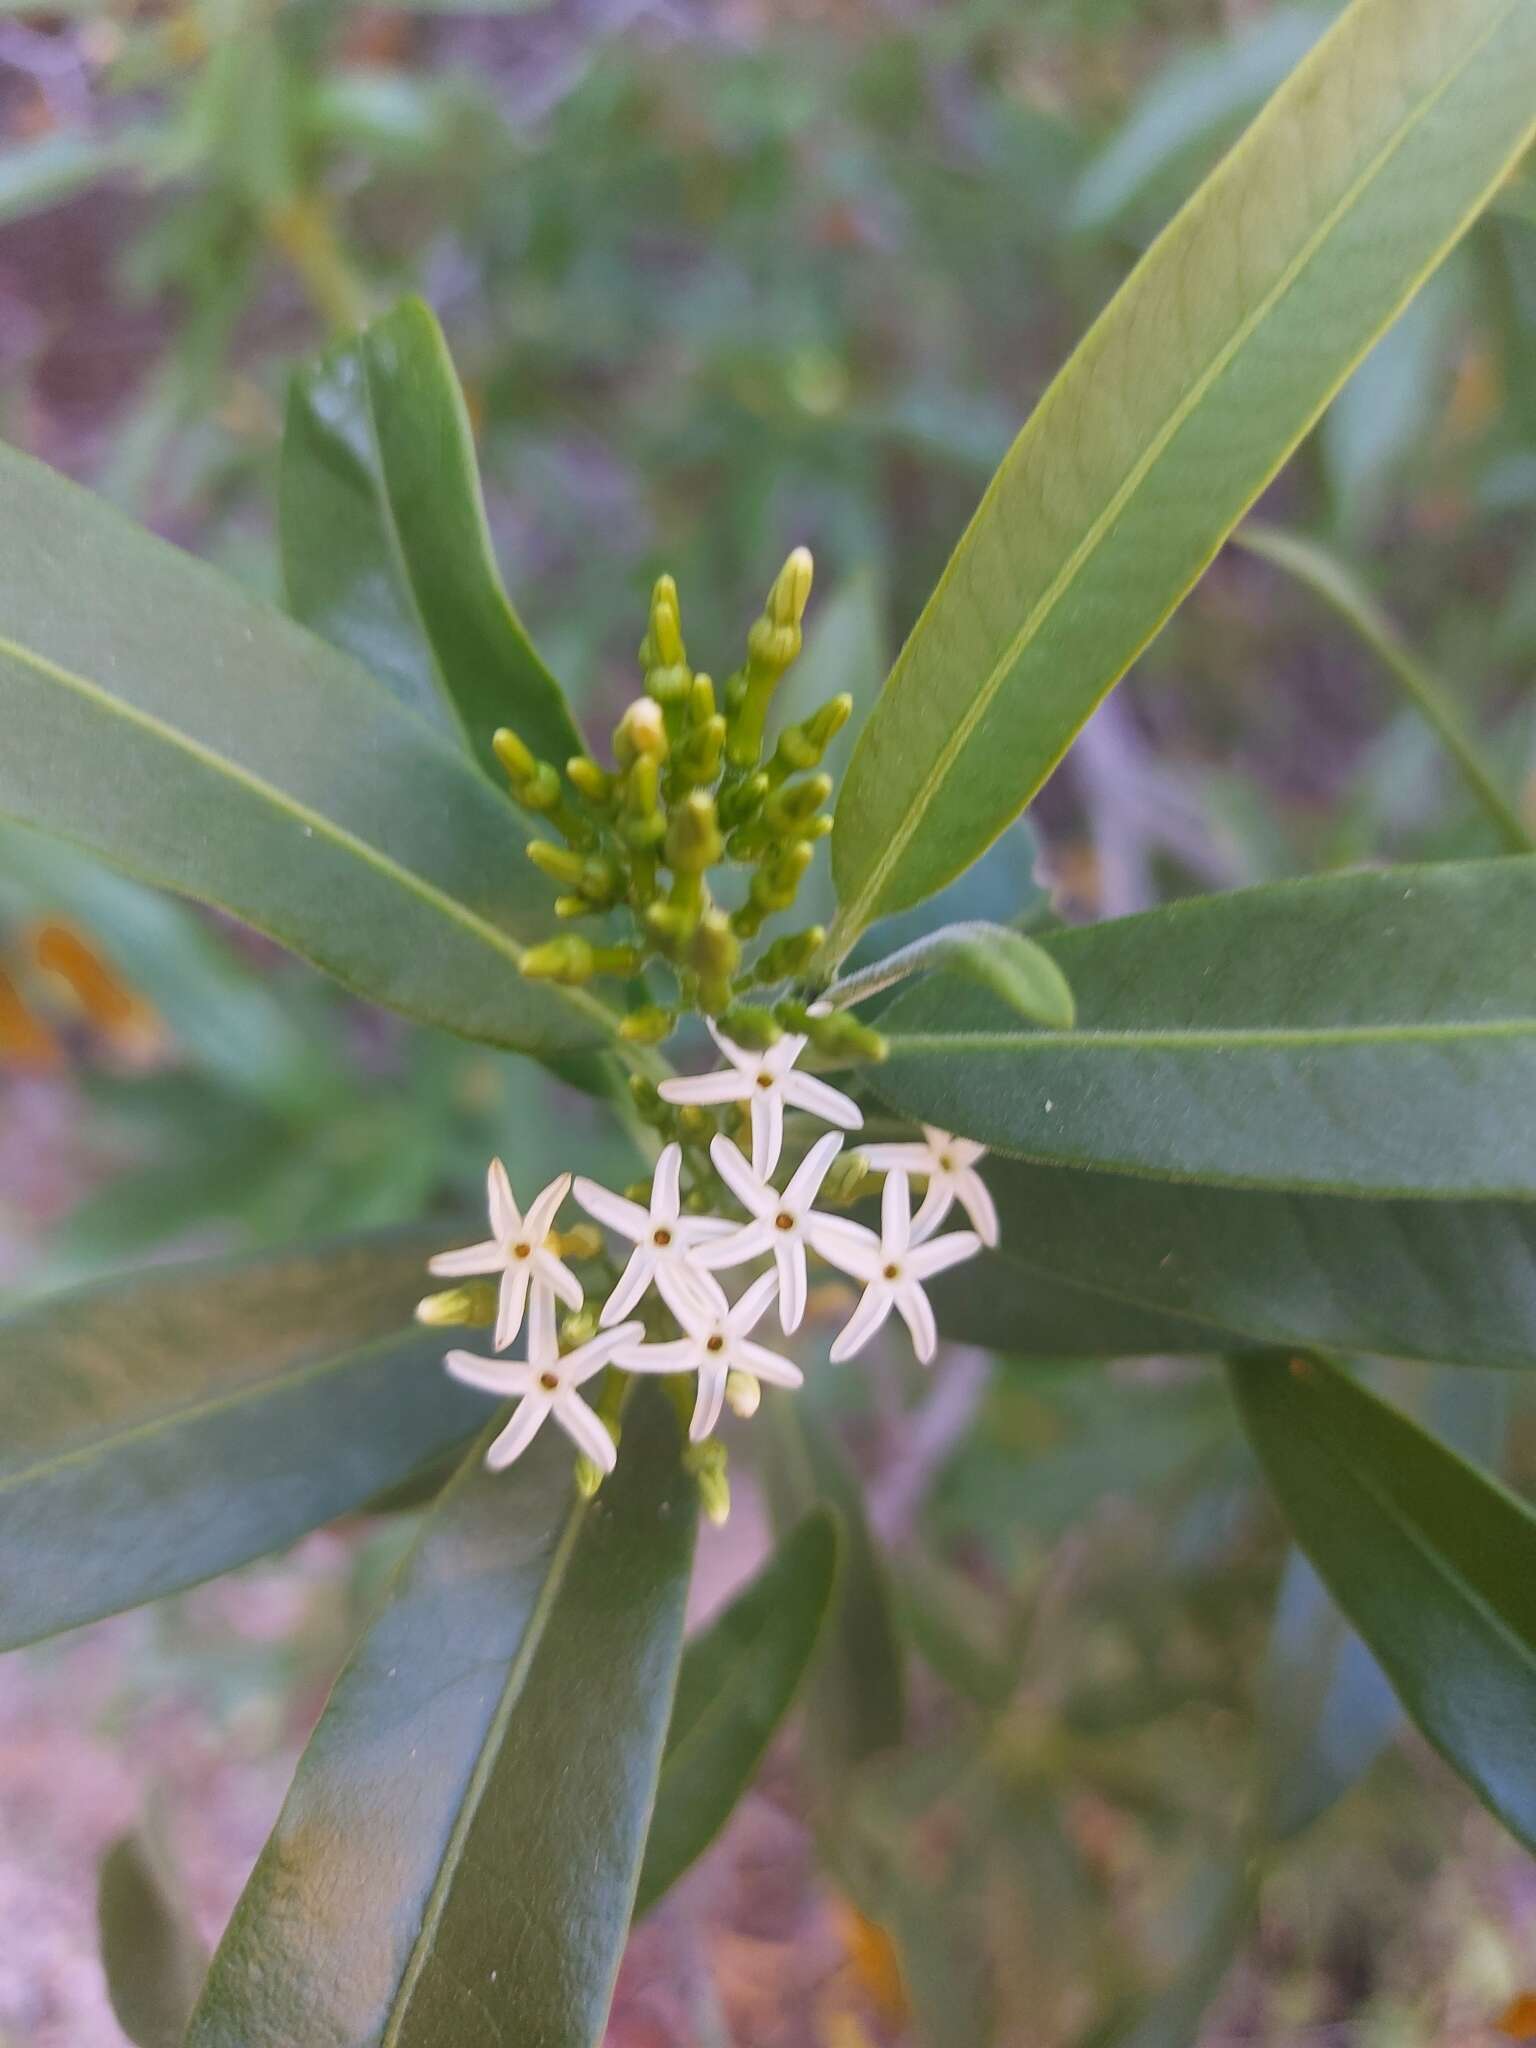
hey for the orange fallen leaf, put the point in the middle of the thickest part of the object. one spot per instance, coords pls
(1518, 2019)
(872, 1955)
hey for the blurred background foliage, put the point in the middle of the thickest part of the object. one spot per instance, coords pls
(719, 279)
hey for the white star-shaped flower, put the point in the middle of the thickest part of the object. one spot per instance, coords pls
(784, 1224)
(664, 1239)
(546, 1384)
(949, 1167)
(517, 1252)
(769, 1082)
(893, 1267)
(715, 1343)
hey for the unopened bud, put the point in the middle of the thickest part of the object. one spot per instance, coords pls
(568, 961)
(541, 792)
(709, 1464)
(558, 862)
(581, 1241)
(693, 836)
(701, 700)
(791, 591)
(591, 781)
(695, 1123)
(666, 925)
(647, 1100)
(600, 880)
(641, 731)
(843, 1037)
(648, 1025)
(746, 1024)
(698, 755)
(790, 955)
(579, 1327)
(475, 1303)
(575, 906)
(589, 1477)
(714, 950)
(847, 1178)
(791, 808)
(740, 805)
(512, 754)
(743, 1393)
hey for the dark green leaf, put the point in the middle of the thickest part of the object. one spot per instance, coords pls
(736, 1684)
(1006, 963)
(1432, 1561)
(185, 732)
(457, 1859)
(856, 1701)
(163, 1428)
(385, 546)
(1361, 1034)
(1103, 1265)
(152, 1957)
(1215, 357)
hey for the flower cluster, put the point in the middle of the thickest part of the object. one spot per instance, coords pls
(694, 793)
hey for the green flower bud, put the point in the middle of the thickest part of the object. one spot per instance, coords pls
(790, 809)
(743, 1393)
(698, 754)
(791, 592)
(581, 1241)
(558, 862)
(790, 955)
(568, 961)
(648, 1026)
(749, 842)
(842, 1036)
(575, 906)
(741, 804)
(601, 881)
(847, 1178)
(709, 1464)
(701, 701)
(714, 950)
(580, 1327)
(641, 732)
(693, 836)
(648, 1103)
(589, 1477)
(513, 755)
(474, 1303)
(541, 792)
(752, 1027)
(697, 1127)
(589, 780)
(665, 642)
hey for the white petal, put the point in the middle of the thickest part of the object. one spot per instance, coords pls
(849, 1246)
(664, 1184)
(735, 1250)
(895, 1213)
(542, 1211)
(767, 1365)
(706, 1089)
(874, 1306)
(918, 1317)
(711, 1398)
(738, 1176)
(680, 1356)
(783, 1053)
(505, 1220)
(739, 1056)
(694, 1296)
(511, 1303)
(767, 1131)
(519, 1432)
(961, 1152)
(935, 1206)
(586, 1431)
(830, 1104)
(976, 1200)
(579, 1365)
(501, 1376)
(753, 1305)
(633, 1281)
(627, 1218)
(924, 1260)
(557, 1276)
(812, 1171)
(911, 1159)
(474, 1258)
(543, 1344)
(691, 1230)
(789, 1257)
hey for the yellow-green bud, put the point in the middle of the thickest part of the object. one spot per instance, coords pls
(844, 1037)
(647, 1100)
(740, 805)
(698, 754)
(591, 781)
(664, 644)
(790, 809)
(638, 1191)
(709, 1465)
(581, 1241)
(576, 906)
(701, 701)
(750, 1026)
(743, 1393)
(589, 1477)
(648, 1025)
(823, 726)
(568, 961)
(790, 955)
(541, 792)
(847, 1179)
(666, 925)
(558, 862)
(697, 1126)
(640, 732)
(715, 951)
(693, 836)
(475, 1303)
(791, 591)
(512, 754)
(601, 881)
(580, 1327)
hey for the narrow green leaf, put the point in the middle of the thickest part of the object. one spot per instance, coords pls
(457, 1858)
(1107, 1265)
(151, 1955)
(1361, 1034)
(386, 551)
(1208, 366)
(163, 1428)
(857, 1686)
(1330, 579)
(1432, 1561)
(735, 1686)
(1011, 966)
(160, 717)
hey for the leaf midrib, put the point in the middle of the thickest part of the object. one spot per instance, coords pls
(190, 1413)
(855, 914)
(1210, 1038)
(404, 878)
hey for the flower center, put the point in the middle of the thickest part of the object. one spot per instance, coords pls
(783, 1221)
(893, 1272)
(946, 1163)
(522, 1251)
(549, 1381)
(661, 1237)
(765, 1080)
(715, 1344)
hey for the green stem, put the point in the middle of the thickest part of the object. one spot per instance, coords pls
(1330, 580)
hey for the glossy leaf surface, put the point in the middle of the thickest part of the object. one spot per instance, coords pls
(1106, 1264)
(457, 1858)
(385, 546)
(1433, 1562)
(164, 1427)
(151, 1956)
(1202, 374)
(738, 1678)
(1365, 1033)
(195, 737)
(1007, 963)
